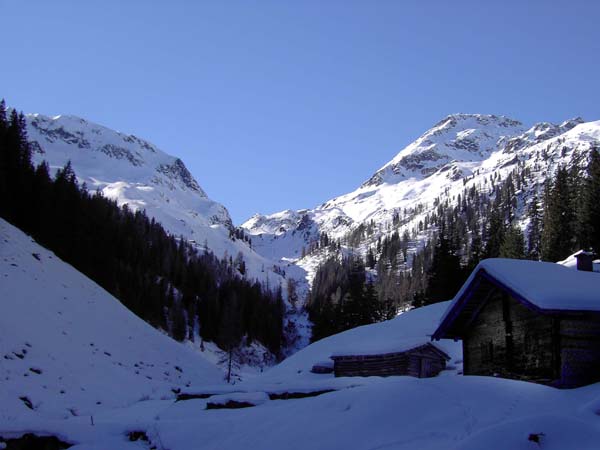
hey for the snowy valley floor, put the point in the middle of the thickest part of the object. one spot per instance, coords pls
(74, 363)
(448, 412)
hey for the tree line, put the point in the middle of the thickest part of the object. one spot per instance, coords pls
(480, 222)
(163, 279)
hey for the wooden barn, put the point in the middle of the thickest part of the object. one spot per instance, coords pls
(422, 361)
(528, 320)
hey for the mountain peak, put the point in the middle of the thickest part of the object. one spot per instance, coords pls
(463, 120)
(124, 167)
(129, 151)
(462, 155)
(136, 173)
(539, 132)
(457, 137)
(572, 123)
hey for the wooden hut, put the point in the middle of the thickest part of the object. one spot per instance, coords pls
(423, 360)
(528, 320)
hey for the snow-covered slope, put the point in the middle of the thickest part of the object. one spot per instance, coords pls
(458, 137)
(447, 412)
(460, 152)
(68, 348)
(135, 172)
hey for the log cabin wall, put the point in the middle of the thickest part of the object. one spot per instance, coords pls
(534, 337)
(509, 340)
(425, 364)
(580, 352)
(484, 343)
(372, 365)
(519, 338)
(421, 363)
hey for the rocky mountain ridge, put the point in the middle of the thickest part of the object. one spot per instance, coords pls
(461, 151)
(136, 173)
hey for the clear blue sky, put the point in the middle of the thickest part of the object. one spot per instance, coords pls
(285, 104)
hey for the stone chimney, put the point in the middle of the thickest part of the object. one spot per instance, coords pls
(585, 261)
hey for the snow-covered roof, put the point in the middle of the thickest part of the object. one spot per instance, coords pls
(546, 287)
(571, 261)
(377, 347)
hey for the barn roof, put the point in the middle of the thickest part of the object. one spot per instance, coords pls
(368, 349)
(547, 288)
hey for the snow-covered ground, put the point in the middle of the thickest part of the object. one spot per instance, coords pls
(93, 373)
(71, 348)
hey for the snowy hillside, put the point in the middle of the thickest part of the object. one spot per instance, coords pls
(134, 172)
(460, 152)
(95, 400)
(69, 348)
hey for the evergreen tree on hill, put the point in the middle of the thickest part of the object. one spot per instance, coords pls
(495, 233)
(513, 245)
(445, 276)
(558, 232)
(534, 233)
(588, 217)
(164, 280)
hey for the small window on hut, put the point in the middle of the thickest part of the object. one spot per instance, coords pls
(487, 352)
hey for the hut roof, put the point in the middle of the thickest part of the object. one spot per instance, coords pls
(407, 345)
(544, 287)
(571, 261)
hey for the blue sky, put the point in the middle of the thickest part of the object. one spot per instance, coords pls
(286, 104)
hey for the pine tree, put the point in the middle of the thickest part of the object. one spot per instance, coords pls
(593, 199)
(475, 252)
(557, 235)
(495, 233)
(370, 259)
(588, 218)
(513, 245)
(534, 233)
(445, 276)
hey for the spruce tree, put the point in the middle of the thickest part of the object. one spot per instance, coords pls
(593, 199)
(475, 252)
(588, 218)
(370, 259)
(534, 233)
(557, 235)
(445, 276)
(513, 245)
(495, 233)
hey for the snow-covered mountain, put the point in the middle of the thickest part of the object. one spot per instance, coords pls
(459, 152)
(459, 137)
(126, 168)
(135, 172)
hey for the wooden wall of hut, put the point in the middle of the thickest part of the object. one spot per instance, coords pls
(421, 363)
